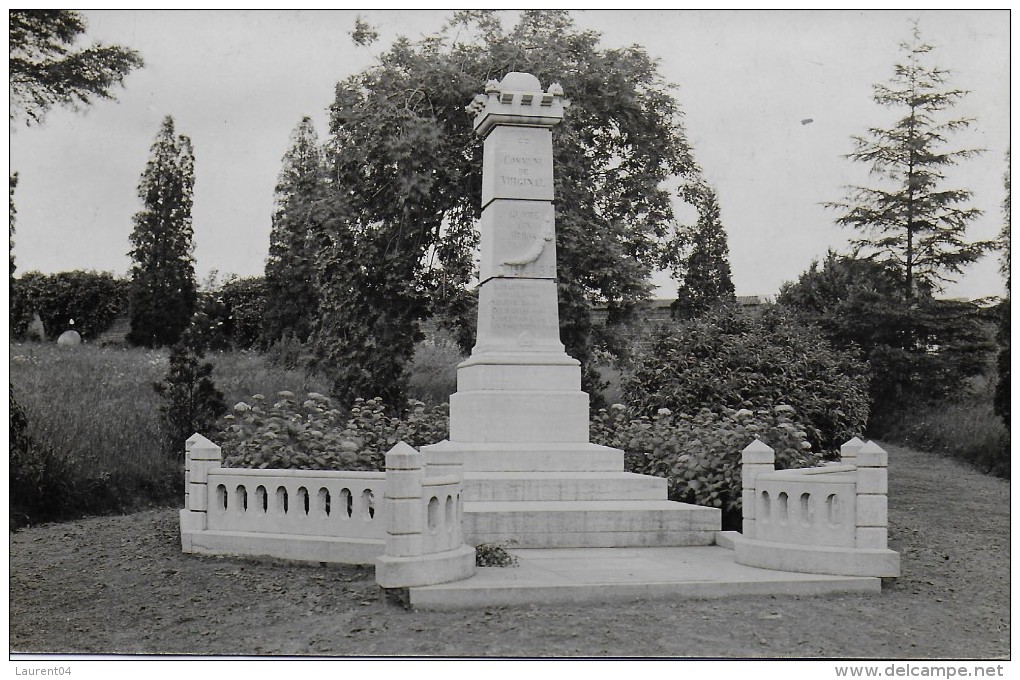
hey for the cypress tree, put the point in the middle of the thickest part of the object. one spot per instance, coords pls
(163, 289)
(291, 298)
(703, 271)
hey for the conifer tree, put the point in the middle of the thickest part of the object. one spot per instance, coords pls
(163, 289)
(10, 226)
(1002, 386)
(291, 298)
(703, 268)
(908, 219)
(45, 69)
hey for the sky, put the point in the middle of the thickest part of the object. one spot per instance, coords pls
(238, 81)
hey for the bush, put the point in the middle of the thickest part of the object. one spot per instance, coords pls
(919, 349)
(246, 301)
(724, 359)
(93, 299)
(967, 428)
(33, 477)
(312, 434)
(191, 402)
(700, 454)
(229, 315)
(1001, 397)
(434, 369)
(208, 329)
(290, 353)
(494, 555)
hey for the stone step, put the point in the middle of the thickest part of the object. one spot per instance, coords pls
(525, 457)
(602, 576)
(562, 486)
(563, 524)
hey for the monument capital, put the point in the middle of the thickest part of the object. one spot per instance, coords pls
(517, 100)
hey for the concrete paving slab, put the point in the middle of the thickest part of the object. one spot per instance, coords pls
(601, 575)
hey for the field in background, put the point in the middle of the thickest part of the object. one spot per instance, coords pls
(94, 417)
(966, 429)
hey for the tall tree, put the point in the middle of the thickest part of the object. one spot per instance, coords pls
(407, 168)
(46, 70)
(702, 268)
(1002, 386)
(1004, 234)
(10, 227)
(291, 298)
(909, 219)
(163, 289)
(10, 283)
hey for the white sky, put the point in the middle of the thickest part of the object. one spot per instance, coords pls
(237, 82)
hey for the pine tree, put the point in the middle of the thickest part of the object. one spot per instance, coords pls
(44, 70)
(909, 219)
(703, 269)
(291, 298)
(163, 289)
(1002, 386)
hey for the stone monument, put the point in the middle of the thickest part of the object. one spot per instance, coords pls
(70, 337)
(519, 417)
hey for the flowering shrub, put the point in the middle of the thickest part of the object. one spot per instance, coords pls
(700, 454)
(312, 434)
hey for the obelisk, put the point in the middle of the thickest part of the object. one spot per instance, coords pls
(519, 385)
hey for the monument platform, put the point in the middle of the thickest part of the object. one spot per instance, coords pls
(606, 575)
(567, 495)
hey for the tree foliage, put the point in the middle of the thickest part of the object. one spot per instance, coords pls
(702, 268)
(291, 297)
(10, 228)
(46, 70)
(1002, 387)
(163, 289)
(228, 315)
(909, 219)
(406, 167)
(920, 349)
(726, 359)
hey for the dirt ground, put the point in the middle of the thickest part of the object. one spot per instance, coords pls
(120, 585)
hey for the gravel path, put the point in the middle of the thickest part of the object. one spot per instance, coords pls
(120, 585)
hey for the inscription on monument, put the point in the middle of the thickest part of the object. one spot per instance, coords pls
(518, 164)
(519, 309)
(518, 240)
(516, 314)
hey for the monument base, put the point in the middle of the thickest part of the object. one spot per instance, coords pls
(533, 495)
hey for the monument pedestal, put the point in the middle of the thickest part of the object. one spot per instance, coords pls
(519, 419)
(567, 495)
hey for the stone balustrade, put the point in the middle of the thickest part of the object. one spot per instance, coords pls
(830, 519)
(300, 502)
(424, 541)
(407, 519)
